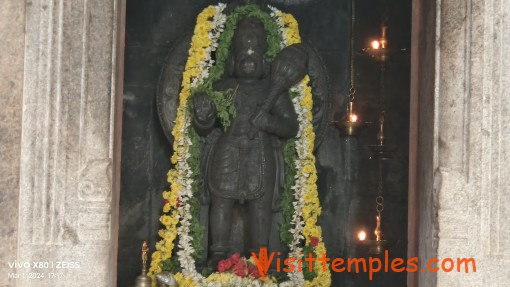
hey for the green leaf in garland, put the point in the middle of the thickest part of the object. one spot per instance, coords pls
(171, 265)
(309, 276)
(196, 229)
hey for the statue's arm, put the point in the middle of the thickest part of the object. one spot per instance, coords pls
(204, 114)
(282, 119)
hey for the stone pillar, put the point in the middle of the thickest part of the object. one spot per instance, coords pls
(68, 198)
(12, 28)
(465, 185)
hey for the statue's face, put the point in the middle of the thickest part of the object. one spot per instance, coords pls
(249, 47)
(249, 65)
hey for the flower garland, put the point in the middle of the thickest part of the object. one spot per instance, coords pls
(306, 204)
(203, 43)
(214, 29)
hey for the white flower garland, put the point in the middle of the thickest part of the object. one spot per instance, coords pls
(217, 26)
(186, 259)
(295, 278)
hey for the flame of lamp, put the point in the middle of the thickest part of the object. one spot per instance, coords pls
(362, 235)
(375, 44)
(378, 47)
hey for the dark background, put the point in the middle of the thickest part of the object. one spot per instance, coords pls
(347, 178)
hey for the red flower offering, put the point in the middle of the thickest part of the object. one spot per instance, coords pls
(224, 265)
(227, 264)
(240, 269)
(314, 241)
(235, 258)
(239, 266)
(253, 271)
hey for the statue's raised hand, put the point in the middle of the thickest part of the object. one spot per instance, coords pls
(203, 107)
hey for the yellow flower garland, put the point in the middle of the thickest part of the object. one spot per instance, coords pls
(199, 43)
(311, 210)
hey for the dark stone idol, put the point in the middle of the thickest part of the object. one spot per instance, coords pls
(244, 164)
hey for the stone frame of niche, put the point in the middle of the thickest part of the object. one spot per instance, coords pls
(117, 147)
(423, 43)
(424, 184)
(421, 207)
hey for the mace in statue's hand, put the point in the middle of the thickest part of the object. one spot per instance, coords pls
(203, 107)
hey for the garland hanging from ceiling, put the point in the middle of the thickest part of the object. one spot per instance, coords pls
(209, 50)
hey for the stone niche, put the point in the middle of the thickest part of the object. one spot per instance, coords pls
(61, 81)
(347, 179)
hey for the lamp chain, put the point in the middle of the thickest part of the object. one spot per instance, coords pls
(383, 87)
(352, 90)
(379, 200)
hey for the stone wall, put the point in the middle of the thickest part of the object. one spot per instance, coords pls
(464, 186)
(67, 154)
(11, 88)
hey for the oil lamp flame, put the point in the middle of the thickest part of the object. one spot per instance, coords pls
(353, 118)
(375, 45)
(362, 235)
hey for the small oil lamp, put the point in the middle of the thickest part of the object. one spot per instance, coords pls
(375, 246)
(379, 245)
(352, 125)
(377, 49)
(381, 150)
